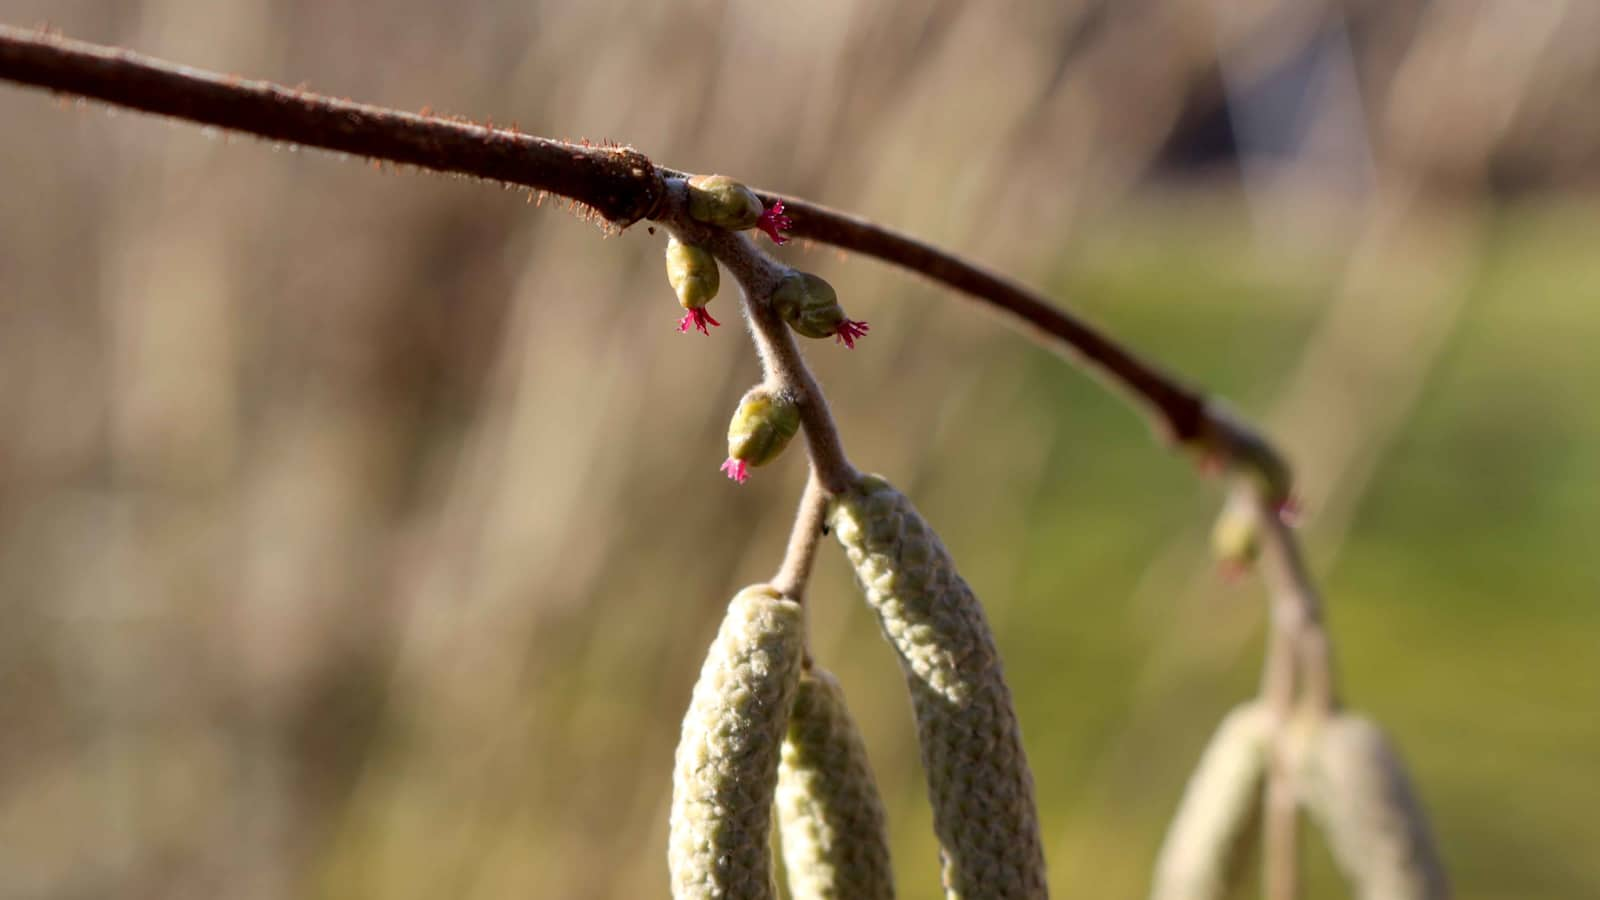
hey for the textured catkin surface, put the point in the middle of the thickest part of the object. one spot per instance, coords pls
(727, 761)
(1356, 788)
(978, 778)
(1208, 841)
(830, 817)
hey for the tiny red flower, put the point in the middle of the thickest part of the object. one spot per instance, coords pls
(1233, 571)
(696, 318)
(737, 469)
(773, 221)
(1290, 511)
(849, 332)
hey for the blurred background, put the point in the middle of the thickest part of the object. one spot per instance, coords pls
(361, 531)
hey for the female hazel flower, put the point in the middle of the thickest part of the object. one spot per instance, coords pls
(719, 200)
(695, 278)
(761, 427)
(773, 221)
(812, 309)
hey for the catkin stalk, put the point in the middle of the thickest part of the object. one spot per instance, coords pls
(830, 818)
(1211, 835)
(978, 779)
(727, 760)
(1357, 791)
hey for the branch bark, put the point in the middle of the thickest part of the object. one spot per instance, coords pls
(619, 183)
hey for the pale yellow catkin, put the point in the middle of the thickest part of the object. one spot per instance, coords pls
(978, 779)
(1356, 789)
(1202, 857)
(830, 817)
(727, 760)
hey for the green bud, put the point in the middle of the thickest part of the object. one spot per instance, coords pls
(719, 200)
(809, 305)
(693, 274)
(1236, 537)
(762, 426)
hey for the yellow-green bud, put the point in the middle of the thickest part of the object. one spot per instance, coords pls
(1236, 537)
(762, 426)
(809, 305)
(693, 274)
(719, 200)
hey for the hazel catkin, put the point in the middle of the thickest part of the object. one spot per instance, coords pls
(727, 760)
(1202, 857)
(978, 779)
(830, 817)
(1356, 789)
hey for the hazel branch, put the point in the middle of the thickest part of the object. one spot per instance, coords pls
(1299, 656)
(1296, 676)
(619, 183)
(809, 521)
(1181, 410)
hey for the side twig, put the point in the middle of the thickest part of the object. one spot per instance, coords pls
(809, 521)
(1297, 687)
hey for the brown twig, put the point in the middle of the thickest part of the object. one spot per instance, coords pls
(803, 539)
(1299, 660)
(1181, 410)
(1297, 685)
(619, 183)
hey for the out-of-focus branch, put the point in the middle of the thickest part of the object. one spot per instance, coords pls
(619, 183)
(1280, 845)
(1297, 687)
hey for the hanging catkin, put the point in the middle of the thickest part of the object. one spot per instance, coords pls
(1356, 789)
(830, 817)
(1211, 834)
(978, 779)
(727, 761)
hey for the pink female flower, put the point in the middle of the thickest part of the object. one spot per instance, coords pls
(697, 318)
(737, 469)
(850, 331)
(773, 221)
(1290, 511)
